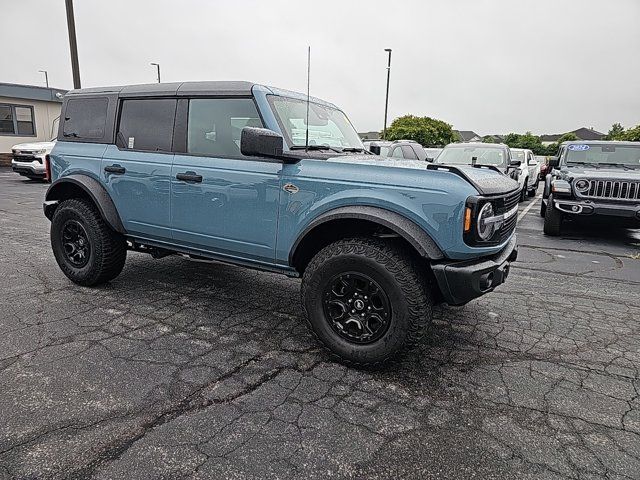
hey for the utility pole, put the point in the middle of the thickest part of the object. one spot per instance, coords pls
(158, 67)
(73, 44)
(46, 77)
(386, 102)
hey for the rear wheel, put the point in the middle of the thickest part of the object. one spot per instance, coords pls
(87, 250)
(365, 300)
(552, 219)
(523, 192)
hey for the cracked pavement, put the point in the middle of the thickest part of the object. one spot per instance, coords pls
(183, 369)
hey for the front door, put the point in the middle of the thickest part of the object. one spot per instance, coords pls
(221, 201)
(137, 170)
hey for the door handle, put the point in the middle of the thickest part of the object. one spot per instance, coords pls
(115, 169)
(189, 177)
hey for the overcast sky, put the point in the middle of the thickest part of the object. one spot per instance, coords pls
(492, 66)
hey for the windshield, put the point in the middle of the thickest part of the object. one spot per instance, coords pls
(462, 155)
(517, 155)
(327, 126)
(603, 154)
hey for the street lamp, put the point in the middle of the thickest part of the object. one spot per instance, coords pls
(46, 77)
(158, 67)
(386, 101)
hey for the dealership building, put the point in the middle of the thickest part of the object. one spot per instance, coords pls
(27, 114)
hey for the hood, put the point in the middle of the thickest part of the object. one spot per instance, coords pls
(34, 146)
(610, 173)
(485, 180)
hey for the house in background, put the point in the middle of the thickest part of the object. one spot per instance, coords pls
(27, 114)
(468, 136)
(582, 133)
(494, 138)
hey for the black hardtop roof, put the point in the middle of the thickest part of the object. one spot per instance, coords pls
(227, 88)
(619, 143)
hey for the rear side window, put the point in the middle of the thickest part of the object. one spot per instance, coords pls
(85, 118)
(147, 124)
(215, 124)
(408, 152)
(397, 153)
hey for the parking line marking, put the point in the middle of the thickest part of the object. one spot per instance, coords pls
(529, 207)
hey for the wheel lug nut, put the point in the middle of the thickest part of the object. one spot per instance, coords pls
(368, 308)
(353, 311)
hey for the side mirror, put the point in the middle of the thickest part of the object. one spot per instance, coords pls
(533, 163)
(553, 162)
(375, 149)
(261, 142)
(515, 163)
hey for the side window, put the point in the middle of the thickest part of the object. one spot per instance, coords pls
(420, 152)
(397, 153)
(147, 124)
(17, 120)
(215, 124)
(85, 118)
(408, 152)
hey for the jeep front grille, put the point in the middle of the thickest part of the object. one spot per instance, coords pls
(612, 189)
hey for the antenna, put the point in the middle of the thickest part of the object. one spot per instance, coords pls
(306, 141)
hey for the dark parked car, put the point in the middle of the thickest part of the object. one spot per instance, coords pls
(407, 149)
(593, 179)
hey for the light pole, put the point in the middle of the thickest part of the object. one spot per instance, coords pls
(46, 77)
(73, 45)
(158, 67)
(386, 101)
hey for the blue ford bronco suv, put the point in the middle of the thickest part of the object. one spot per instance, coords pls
(266, 178)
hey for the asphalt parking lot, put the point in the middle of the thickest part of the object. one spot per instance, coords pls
(181, 369)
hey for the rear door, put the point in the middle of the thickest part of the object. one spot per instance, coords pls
(137, 169)
(221, 201)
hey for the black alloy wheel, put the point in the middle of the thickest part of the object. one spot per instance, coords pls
(356, 307)
(75, 243)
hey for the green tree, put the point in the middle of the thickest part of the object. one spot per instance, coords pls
(429, 132)
(567, 137)
(528, 141)
(631, 134)
(488, 139)
(615, 132)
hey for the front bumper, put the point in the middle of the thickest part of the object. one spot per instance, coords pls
(581, 208)
(462, 281)
(30, 169)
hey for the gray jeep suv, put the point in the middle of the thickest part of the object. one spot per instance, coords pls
(593, 180)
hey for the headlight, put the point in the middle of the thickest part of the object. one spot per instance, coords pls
(582, 185)
(560, 186)
(486, 229)
(40, 152)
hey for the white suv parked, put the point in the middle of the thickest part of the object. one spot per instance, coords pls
(29, 159)
(528, 171)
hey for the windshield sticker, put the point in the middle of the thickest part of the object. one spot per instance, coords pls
(578, 148)
(131, 141)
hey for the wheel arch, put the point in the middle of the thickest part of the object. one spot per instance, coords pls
(346, 221)
(83, 186)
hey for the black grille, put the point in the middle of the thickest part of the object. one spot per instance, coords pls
(508, 203)
(25, 158)
(613, 189)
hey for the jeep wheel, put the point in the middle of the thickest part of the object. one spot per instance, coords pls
(552, 219)
(365, 300)
(543, 208)
(86, 249)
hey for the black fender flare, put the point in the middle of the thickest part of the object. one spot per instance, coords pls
(399, 224)
(66, 187)
(547, 186)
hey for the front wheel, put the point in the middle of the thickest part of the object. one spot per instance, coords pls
(552, 219)
(365, 300)
(87, 250)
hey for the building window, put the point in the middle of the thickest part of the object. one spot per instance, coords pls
(17, 120)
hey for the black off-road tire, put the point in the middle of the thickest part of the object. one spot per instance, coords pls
(524, 191)
(108, 249)
(398, 275)
(543, 208)
(552, 219)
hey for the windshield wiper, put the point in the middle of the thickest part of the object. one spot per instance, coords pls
(575, 162)
(628, 167)
(357, 150)
(72, 134)
(314, 147)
